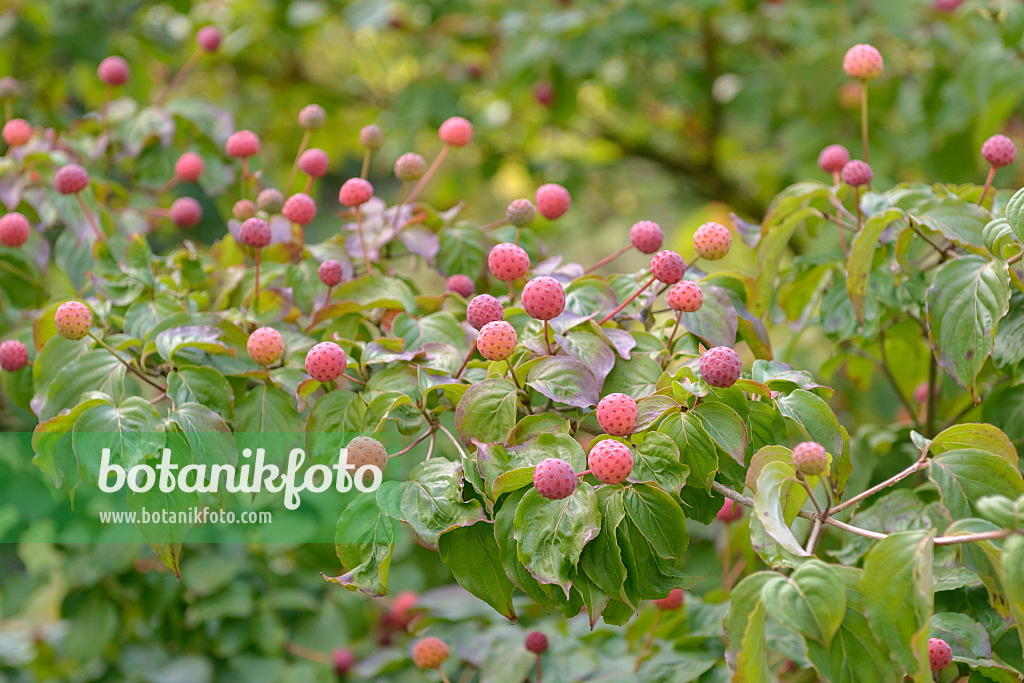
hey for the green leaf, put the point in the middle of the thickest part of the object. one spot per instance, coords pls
(1013, 580)
(487, 411)
(508, 554)
(965, 303)
(716, 320)
(769, 505)
(983, 437)
(364, 541)
(862, 255)
(697, 451)
(551, 534)
(752, 662)
(205, 338)
(956, 219)
(897, 588)
(266, 418)
(811, 601)
(432, 500)
(637, 377)
(814, 417)
(333, 421)
(776, 236)
(743, 600)
(376, 291)
(204, 385)
(565, 380)
(657, 461)
(591, 350)
(95, 370)
(463, 250)
(601, 559)
(964, 476)
(132, 431)
(471, 553)
(725, 426)
(659, 518)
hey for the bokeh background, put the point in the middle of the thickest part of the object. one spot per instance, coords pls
(678, 112)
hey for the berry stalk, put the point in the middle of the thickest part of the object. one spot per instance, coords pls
(646, 647)
(128, 365)
(988, 183)
(539, 673)
(362, 240)
(627, 301)
(429, 174)
(256, 296)
(547, 343)
(182, 72)
(465, 362)
(398, 206)
(366, 163)
(608, 259)
(89, 216)
(295, 164)
(864, 116)
(671, 337)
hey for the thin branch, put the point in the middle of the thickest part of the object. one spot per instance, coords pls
(919, 465)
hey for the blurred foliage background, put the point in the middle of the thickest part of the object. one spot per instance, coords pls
(679, 112)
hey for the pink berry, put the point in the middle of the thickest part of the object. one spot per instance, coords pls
(429, 653)
(208, 38)
(371, 137)
(947, 5)
(326, 362)
(810, 459)
(484, 309)
(243, 209)
(496, 340)
(520, 213)
(616, 413)
(265, 346)
(255, 232)
(646, 236)
(113, 71)
(189, 167)
(554, 479)
(940, 654)
(685, 296)
(329, 272)
(270, 200)
(668, 267)
(536, 642)
(552, 200)
(13, 355)
(833, 158)
(186, 212)
(674, 600)
(243, 143)
(712, 241)
(921, 392)
(14, 229)
(543, 298)
(410, 166)
(857, 173)
(508, 262)
(314, 162)
(461, 285)
(730, 511)
(71, 179)
(999, 150)
(73, 320)
(610, 461)
(17, 132)
(365, 450)
(456, 131)
(863, 61)
(300, 208)
(312, 117)
(720, 367)
(355, 192)
(343, 661)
